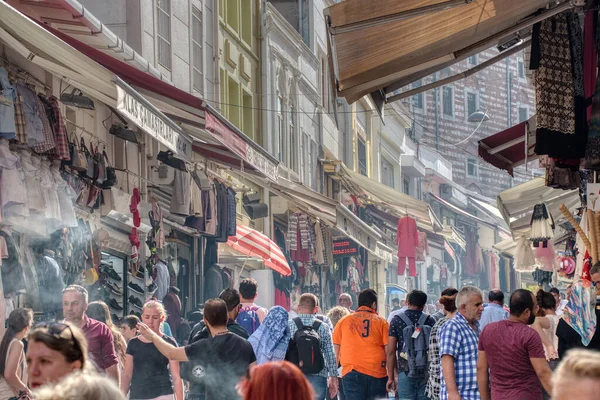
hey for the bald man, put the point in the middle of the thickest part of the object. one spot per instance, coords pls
(345, 300)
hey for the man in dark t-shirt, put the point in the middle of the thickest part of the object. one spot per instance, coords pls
(231, 297)
(222, 360)
(514, 355)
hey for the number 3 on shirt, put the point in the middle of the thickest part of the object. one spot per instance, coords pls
(366, 328)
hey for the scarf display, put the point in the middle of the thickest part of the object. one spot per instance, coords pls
(580, 311)
(270, 341)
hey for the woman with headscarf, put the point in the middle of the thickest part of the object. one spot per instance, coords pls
(270, 341)
(578, 325)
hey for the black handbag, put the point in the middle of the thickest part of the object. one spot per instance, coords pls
(167, 158)
(111, 174)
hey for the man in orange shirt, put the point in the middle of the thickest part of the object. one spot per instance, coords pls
(360, 341)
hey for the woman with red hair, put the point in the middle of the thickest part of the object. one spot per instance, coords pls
(278, 380)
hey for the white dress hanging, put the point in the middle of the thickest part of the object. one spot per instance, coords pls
(12, 189)
(49, 191)
(65, 199)
(542, 226)
(31, 168)
(524, 257)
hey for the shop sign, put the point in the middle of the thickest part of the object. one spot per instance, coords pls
(149, 119)
(356, 229)
(344, 248)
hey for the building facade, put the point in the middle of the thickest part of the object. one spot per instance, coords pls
(501, 92)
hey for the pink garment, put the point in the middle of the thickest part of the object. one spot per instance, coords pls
(423, 247)
(412, 266)
(407, 240)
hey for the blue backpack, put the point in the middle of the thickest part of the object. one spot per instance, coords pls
(248, 319)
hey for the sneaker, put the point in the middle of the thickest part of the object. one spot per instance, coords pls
(113, 304)
(113, 288)
(136, 302)
(111, 273)
(152, 287)
(135, 287)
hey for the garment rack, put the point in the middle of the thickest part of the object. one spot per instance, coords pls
(29, 75)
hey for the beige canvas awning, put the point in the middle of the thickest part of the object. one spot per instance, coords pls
(378, 45)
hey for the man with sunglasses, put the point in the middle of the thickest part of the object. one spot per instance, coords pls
(101, 347)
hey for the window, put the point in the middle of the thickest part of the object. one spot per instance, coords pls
(406, 186)
(247, 16)
(326, 101)
(292, 135)
(234, 102)
(523, 114)
(471, 103)
(247, 114)
(419, 189)
(302, 159)
(472, 168)
(472, 60)
(362, 156)
(233, 14)
(163, 32)
(314, 155)
(223, 93)
(418, 98)
(448, 101)
(308, 160)
(304, 27)
(387, 173)
(281, 144)
(521, 68)
(197, 68)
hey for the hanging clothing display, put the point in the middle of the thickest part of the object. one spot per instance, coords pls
(407, 240)
(7, 106)
(299, 238)
(12, 189)
(546, 257)
(557, 55)
(524, 257)
(542, 226)
(182, 193)
(473, 251)
(422, 249)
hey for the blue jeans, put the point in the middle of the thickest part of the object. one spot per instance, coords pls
(319, 384)
(359, 386)
(411, 389)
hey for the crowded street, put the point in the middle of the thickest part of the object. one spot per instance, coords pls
(299, 200)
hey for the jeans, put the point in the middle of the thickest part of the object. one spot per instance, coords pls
(319, 384)
(411, 389)
(359, 386)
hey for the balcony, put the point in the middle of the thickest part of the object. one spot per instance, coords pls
(434, 161)
(412, 166)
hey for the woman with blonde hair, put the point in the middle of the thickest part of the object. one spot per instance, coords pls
(577, 376)
(80, 386)
(337, 313)
(54, 350)
(146, 373)
(99, 311)
(13, 366)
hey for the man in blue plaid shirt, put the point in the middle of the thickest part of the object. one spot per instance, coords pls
(308, 307)
(458, 339)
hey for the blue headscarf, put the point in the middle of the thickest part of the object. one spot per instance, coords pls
(270, 341)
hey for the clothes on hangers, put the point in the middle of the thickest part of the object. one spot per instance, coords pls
(8, 97)
(407, 240)
(182, 193)
(422, 249)
(542, 226)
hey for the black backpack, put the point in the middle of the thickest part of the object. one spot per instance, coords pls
(304, 349)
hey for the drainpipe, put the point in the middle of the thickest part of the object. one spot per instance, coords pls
(216, 57)
(437, 114)
(264, 81)
(508, 93)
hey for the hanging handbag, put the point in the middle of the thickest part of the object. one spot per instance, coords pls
(100, 169)
(78, 159)
(111, 174)
(89, 157)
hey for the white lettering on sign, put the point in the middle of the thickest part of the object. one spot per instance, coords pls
(145, 117)
(262, 164)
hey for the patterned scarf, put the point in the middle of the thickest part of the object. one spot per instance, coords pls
(270, 341)
(580, 311)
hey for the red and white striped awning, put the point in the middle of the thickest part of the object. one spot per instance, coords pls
(253, 243)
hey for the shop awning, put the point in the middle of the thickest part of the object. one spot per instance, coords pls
(386, 44)
(395, 202)
(44, 49)
(516, 204)
(510, 148)
(253, 243)
(215, 137)
(460, 211)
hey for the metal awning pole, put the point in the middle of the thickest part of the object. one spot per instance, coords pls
(460, 76)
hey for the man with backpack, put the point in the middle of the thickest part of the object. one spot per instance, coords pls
(311, 348)
(251, 315)
(408, 346)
